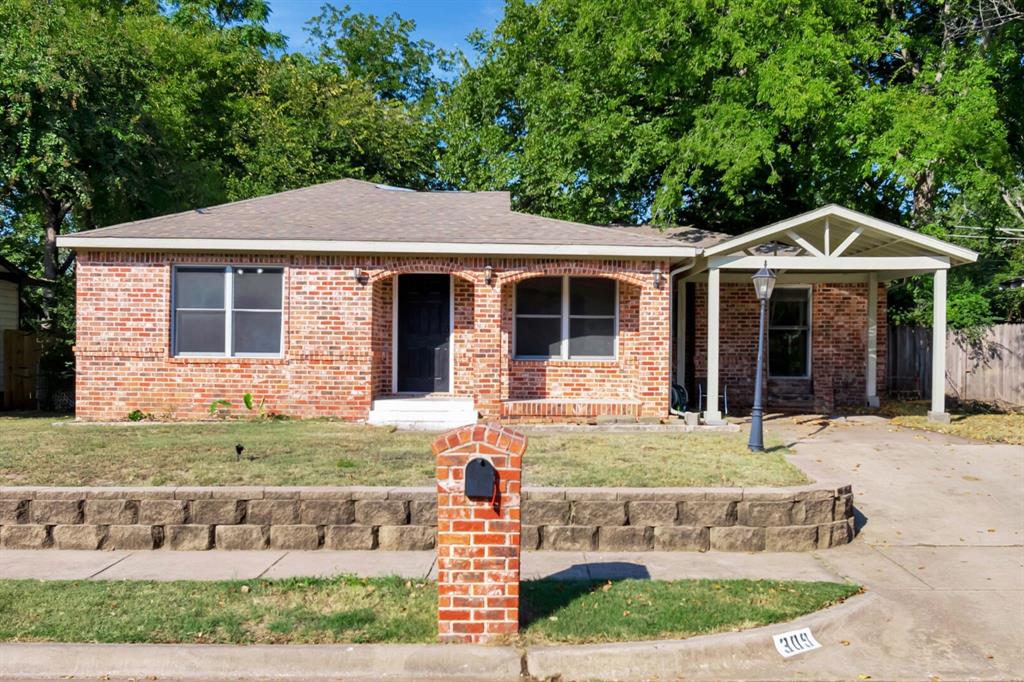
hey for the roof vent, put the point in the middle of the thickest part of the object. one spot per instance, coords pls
(389, 188)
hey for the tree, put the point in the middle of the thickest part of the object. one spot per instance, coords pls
(730, 115)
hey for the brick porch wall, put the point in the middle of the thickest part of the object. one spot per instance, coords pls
(337, 353)
(838, 343)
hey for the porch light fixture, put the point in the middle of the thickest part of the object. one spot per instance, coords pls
(488, 275)
(357, 273)
(764, 283)
(658, 277)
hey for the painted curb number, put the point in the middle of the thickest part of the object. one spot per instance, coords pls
(795, 642)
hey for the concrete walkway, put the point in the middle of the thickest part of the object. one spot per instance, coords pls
(214, 565)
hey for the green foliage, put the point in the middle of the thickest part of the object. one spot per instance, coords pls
(219, 408)
(731, 115)
(139, 415)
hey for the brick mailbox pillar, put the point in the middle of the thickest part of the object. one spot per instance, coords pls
(478, 538)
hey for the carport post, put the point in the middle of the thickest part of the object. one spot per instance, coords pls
(938, 411)
(871, 377)
(711, 413)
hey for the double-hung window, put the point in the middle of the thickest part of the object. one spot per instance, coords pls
(566, 317)
(789, 332)
(227, 311)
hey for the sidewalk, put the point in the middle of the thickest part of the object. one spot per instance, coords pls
(219, 565)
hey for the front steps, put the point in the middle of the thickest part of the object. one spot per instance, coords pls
(427, 413)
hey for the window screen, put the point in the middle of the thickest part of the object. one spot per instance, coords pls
(227, 311)
(789, 333)
(560, 317)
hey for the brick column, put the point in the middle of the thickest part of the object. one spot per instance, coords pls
(487, 347)
(478, 540)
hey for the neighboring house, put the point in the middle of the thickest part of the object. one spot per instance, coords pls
(365, 302)
(12, 279)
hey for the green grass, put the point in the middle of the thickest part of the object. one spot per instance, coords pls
(348, 609)
(991, 427)
(53, 451)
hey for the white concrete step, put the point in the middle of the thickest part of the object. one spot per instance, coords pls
(426, 413)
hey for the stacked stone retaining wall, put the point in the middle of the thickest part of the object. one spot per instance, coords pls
(364, 518)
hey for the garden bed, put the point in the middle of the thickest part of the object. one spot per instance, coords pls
(354, 610)
(990, 427)
(51, 451)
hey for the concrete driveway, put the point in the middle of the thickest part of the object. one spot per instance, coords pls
(941, 541)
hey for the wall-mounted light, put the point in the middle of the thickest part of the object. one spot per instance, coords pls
(488, 275)
(357, 273)
(658, 277)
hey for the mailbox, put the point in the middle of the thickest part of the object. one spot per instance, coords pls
(481, 479)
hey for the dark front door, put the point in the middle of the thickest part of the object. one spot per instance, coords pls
(424, 328)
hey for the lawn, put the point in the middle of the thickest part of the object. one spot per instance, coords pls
(985, 426)
(348, 609)
(52, 451)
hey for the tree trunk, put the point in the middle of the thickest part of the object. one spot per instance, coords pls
(924, 194)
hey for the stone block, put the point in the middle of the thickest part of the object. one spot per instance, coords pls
(529, 537)
(78, 536)
(568, 538)
(623, 538)
(110, 512)
(791, 539)
(599, 513)
(542, 493)
(778, 513)
(14, 511)
(18, 492)
(381, 512)
(327, 512)
(350, 537)
(737, 539)
(129, 537)
(681, 539)
(28, 536)
(188, 537)
(218, 512)
(162, 512)
(423, 512)
(650, 513)
(52, 512)
(294, 537)
(241, 537)
(541, 512)
(843, 507)
(708, 513)
(273, 512)
(406, 538)
(835, 533)
(812, 512)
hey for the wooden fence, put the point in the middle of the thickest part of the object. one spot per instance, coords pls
(990, 370)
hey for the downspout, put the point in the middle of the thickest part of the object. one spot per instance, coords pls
(688, 264)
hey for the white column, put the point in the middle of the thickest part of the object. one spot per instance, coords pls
(871, 378)
(938, 411)
(712, 414)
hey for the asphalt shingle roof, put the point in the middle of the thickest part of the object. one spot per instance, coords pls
(354, 210)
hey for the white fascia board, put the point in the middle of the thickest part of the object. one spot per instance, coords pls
(84, 241)
(764, 233)
(852, 263)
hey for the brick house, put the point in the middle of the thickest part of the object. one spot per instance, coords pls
(365, 302)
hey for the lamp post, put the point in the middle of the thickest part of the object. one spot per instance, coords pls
(764, 282)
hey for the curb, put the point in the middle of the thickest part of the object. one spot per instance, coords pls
(739, 653)
(222, 662)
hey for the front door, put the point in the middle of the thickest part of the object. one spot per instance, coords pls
(424, 333)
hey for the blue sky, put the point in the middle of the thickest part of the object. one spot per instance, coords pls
(446, 23)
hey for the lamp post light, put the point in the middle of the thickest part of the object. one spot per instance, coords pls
(764, 282)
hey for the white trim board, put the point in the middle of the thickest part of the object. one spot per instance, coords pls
(84, 241)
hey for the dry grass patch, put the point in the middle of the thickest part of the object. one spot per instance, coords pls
(56, 451)
(984, 426)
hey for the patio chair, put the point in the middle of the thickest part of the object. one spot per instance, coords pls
(702, 396)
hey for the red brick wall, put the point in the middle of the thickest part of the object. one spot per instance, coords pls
(838, 343)
(338, 336)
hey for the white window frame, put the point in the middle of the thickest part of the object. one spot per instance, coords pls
(565, 317)
(228, 310)
(810, 327)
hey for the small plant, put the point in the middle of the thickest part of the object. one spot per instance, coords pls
(219, 408)
(251, 405)
(139, 415)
